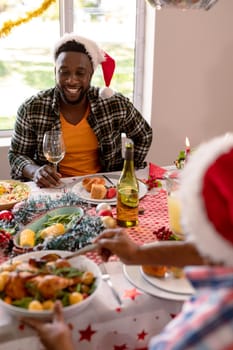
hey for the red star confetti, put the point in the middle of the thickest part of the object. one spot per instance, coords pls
(118, 309)
(132, 293)
(142, 335)
(86, 334)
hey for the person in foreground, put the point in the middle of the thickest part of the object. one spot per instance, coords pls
(206, 319)
(91, 119)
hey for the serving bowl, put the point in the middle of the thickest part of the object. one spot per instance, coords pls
(81, 262)
(12, 192)
(39, 223)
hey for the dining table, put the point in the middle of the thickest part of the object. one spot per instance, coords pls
(105, 324)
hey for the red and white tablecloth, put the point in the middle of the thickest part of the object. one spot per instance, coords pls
(155, 216)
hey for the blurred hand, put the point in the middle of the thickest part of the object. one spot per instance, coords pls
(116, 241)
(46, 176)
(54, 335)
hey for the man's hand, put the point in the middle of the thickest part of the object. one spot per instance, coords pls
(44, 176)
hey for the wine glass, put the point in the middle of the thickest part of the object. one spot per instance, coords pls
(53, 147)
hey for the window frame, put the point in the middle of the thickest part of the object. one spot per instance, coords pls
(66, 22)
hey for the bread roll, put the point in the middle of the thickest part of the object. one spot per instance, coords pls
(89, 181)
(98, 191)
(155, 271)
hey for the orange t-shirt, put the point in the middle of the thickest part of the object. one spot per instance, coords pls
(81, 157)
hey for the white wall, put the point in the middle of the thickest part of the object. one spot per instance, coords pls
(4, 168)
(193, 78)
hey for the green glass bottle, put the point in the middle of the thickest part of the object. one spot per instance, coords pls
(128, 190)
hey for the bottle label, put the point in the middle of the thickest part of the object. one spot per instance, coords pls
(127, 207)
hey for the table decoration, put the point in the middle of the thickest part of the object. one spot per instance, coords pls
(187, 147)
(25, 211)
(154, 175)
(54, 223)
(78, 236)
(183, 155)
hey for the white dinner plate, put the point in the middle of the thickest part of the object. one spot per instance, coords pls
(169, 283)
(83, 194)
(133, 274)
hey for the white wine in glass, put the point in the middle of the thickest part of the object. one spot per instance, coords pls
(53, 147)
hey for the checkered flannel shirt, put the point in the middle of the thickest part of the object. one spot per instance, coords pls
(108, 119)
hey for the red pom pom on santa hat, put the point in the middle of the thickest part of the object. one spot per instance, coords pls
(206, 194)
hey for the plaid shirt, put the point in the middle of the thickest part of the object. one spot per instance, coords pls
(108, 119)
(206, 320)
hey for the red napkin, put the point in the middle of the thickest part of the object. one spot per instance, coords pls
(156, 171)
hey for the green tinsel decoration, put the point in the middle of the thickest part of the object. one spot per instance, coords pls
(27, 210)
(79, 234)
(77, 237)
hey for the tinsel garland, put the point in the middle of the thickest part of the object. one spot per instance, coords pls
(25, 211)
(78, 236)
(9, 25)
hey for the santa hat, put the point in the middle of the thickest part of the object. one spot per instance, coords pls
(206, 194)
(96, 55)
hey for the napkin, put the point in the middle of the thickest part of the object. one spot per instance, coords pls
(154, 175)
(156, 171)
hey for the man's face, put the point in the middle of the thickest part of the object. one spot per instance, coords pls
(73, 71)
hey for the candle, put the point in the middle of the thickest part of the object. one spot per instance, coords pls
(187, 147)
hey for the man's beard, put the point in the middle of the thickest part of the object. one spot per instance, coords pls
(74, 102)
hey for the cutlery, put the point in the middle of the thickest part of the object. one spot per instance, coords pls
(109, 180)
(81, 251)
(84, 250)
(106, 277)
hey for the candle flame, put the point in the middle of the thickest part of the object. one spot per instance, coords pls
(187, 143)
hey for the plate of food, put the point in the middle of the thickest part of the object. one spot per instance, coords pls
(46, 276)
(12, 192)
(134, 275)
(99, 188)
(172, 280)
(55, 223)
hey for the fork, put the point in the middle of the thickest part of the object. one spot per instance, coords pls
(109, 180)
(106, 277)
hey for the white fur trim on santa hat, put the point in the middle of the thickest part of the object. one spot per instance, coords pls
(97, 55)
(194, 219)
(106, 92)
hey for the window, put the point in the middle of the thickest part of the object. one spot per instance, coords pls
(26, 63)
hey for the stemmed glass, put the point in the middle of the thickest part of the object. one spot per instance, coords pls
(53, 147)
